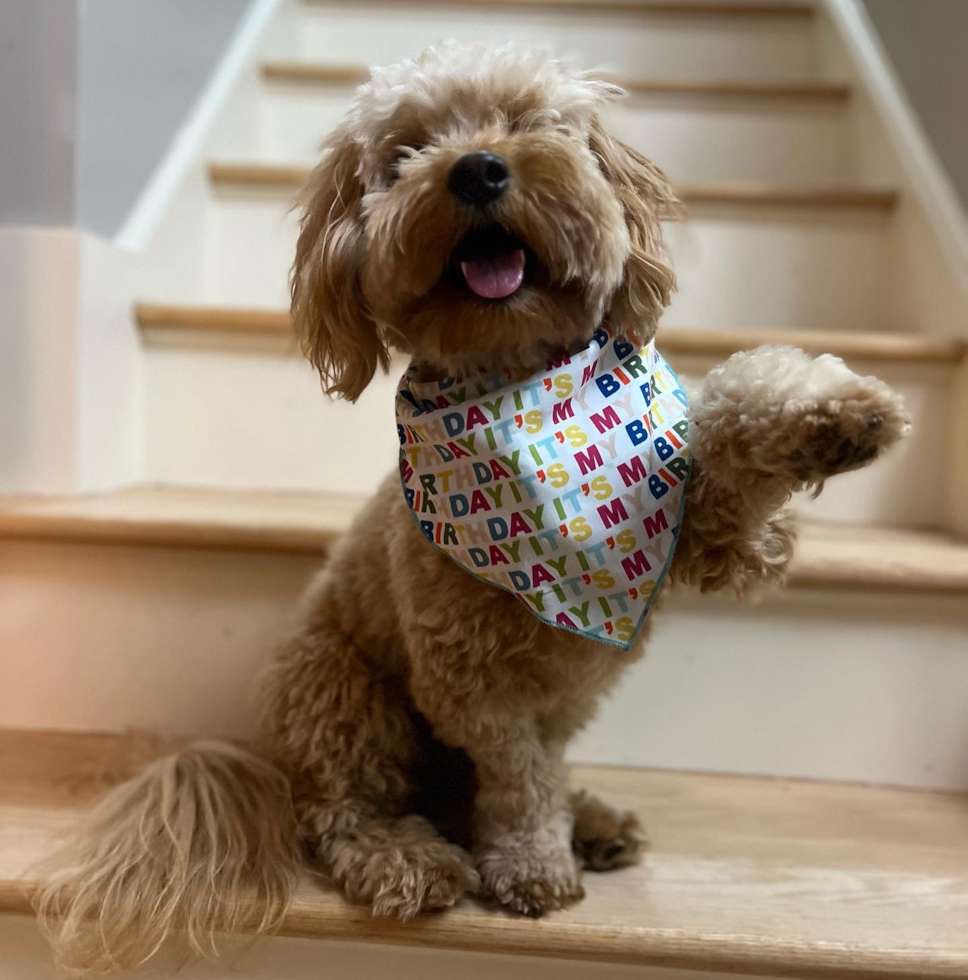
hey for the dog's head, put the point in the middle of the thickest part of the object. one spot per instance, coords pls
(471, 211)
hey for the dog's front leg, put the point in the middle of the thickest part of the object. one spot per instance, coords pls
(522, 815)
(523, 820)
(763, 425)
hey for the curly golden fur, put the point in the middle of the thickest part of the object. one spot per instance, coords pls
(419, 716)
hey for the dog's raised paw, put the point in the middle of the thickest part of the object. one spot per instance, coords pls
(845, 435)
(834, 420)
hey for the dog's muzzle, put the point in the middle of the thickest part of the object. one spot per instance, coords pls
(478, 178)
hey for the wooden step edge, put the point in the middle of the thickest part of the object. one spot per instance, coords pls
(701, 8)
(879, 559)
(779, 91)
(834, 556)
(314, 72)
(343, 74)
(327, 918)
(875, 347)
(185, 518)
(259, 174)
(166, 533)
(213, 319)
(798, 878)
(292, 177)
(881, 348)
(764, 195)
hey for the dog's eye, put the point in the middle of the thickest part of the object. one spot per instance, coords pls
(404, 152)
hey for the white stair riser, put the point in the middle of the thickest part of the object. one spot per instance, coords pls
(775, 268)
(629, 44)
(689, 138)
(861, 687)
(746, 267)
(234, 419)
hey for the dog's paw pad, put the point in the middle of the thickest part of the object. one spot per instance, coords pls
(840, 441)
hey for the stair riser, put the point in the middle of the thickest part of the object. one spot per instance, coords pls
(860, 688)
(238, 419)
(680, 46)
(690, 138)
(747, 267)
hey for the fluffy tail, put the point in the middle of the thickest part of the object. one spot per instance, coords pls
(201, 842)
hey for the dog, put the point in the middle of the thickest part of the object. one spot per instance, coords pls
(473, 213)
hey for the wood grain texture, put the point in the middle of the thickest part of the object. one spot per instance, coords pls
(314, 72)
(874, 347)
(184, 518)
(743, 89)
(291, 178)
(850, 556)
(763, 195)
(702, 8)
(880, 348)
(830, 556)
(213, 318)
(258, 174)
(759, 876)
(340, 74)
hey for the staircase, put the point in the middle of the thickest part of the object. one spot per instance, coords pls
(153, 606)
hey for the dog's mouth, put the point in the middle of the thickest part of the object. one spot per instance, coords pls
(491, 262)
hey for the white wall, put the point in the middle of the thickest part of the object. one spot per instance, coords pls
(142, 65)
(91, 96)
(38, 390)
(927, 42)
(37, 111)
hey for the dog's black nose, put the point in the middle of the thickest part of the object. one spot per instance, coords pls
(478, 178)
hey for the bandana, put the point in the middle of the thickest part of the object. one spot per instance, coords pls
(565, 488)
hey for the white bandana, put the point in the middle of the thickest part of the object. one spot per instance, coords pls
(565, 488)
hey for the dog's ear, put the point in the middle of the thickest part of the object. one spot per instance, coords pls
(647, 198)
(335, 328)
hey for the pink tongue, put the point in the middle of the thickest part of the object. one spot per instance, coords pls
(495, 276)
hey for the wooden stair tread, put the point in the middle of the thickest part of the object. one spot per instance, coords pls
(764, 876)
(293, 177)
(261, 174)
(343, 74)
(703, 8)
(765, 195)
(213, 318)
(829, 555)
(712, 342)
(280, 521)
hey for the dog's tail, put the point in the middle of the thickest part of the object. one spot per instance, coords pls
(201, 842)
